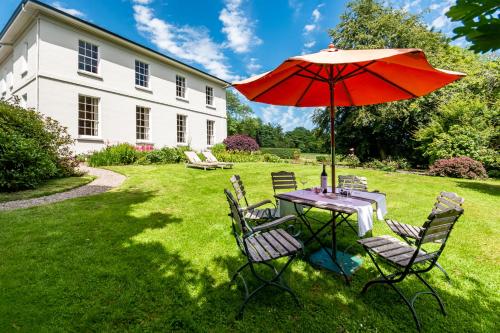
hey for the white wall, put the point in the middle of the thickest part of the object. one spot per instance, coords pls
(61, 83)
(18, 73)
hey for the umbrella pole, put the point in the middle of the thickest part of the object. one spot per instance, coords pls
(332, 134)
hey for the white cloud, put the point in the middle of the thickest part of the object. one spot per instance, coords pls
(238, 28)
(310, 44)
(143, 2)
(253, 67)
(309, 27)
(70, 11)
(287, 117)
(442, 21)
(193, 44)
(296, 6)
(434, 6)
(315, 15)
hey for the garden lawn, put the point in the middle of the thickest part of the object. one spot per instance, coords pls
(157, 254)
(51, 186)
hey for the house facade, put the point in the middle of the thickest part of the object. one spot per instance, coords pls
(104, 88)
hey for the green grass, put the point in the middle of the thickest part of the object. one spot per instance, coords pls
(157, 255)
(49, 187)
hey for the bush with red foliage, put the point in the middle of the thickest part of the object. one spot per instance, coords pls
(458, 167)
(240, 142)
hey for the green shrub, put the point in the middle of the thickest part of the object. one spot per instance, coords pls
(388, 164)
(218, 148)
(124, 153)
(321, 159)
(239, 156)
(458, 167)
(271, 158)
(351, 160)
(120, 154)
(285, 153)
(166, 155)
(33, 148)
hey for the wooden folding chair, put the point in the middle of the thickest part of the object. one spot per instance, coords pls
(410, 233)
(252, 212)
(412, 259)
(261, 245)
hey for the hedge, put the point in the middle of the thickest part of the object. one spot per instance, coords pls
(285, 153)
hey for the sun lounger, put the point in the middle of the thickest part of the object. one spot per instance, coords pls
(212, 159)
(195, 162)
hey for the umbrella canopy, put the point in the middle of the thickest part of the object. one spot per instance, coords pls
(335, 77)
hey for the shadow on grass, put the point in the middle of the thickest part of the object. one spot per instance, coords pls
(486, 188)
(102, 269)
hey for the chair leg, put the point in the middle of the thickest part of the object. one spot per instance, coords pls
(272, 282)
(391, 280)
(432, 292)
(238, 272)
(444, 272)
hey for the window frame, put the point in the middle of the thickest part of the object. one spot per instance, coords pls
(208, 97)
(147, 136)
(210, 138)
(183, 88)
(97, 121)
(24, 65)
(98, 59)
(184, 128)
(147, 76)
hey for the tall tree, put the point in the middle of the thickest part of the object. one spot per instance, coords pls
(480, 23)
(388, 129)
(237, 113)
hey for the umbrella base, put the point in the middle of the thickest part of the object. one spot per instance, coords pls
(350, 264)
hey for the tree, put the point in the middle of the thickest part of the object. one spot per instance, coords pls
(380, 131)
(479, 24)
(237, 113)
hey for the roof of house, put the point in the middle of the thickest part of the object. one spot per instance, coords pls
(95, 27)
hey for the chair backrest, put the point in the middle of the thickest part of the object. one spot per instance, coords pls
(283, 180)
(193, 157)
(240, 226)
(239, 188)
(447, 200)
(209, 156)
(439, 225)
(353, 182)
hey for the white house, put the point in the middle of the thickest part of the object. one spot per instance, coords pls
(105, 88)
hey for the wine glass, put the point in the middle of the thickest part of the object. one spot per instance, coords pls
(303, 181)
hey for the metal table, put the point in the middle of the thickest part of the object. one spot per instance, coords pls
(338, 261)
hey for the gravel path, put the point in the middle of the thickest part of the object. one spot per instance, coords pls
(105, 181)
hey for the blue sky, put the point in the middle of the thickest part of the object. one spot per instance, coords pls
(232, 39)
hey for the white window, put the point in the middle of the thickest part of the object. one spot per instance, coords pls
(142, 123)
(141, 74)
(209, 95)
(3, 87)
(24, 60)
(180, 86)
(210, 132)
(10, 80)
(88, 57)
(181, 128)
(88, 115)
(24, 100)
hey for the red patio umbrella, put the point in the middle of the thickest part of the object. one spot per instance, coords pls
(335, 77)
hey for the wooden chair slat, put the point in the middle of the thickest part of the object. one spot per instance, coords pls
(261, 251)
(295, 245)
(275, 243)
(273, 253)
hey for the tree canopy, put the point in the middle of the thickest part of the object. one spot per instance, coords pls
(390, 130)
(479, 24)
